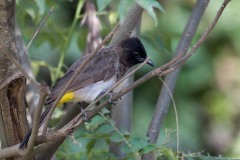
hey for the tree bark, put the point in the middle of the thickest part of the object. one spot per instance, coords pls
(93, 25)
(13, 124)
(126, 28)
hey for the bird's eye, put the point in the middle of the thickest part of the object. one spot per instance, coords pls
(135, 54)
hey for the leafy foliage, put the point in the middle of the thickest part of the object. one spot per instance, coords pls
(102, 4)
(124, 5)
(149, 6)
(99, 133)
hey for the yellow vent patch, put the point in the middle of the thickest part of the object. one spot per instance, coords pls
(66, 97)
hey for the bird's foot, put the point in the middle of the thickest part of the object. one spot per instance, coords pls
(85, 116)
(110, 101)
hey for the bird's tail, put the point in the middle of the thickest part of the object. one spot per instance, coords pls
(25, 140)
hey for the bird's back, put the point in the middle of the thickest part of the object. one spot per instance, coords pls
(102, 68)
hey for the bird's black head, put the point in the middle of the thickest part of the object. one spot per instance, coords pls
(134, 51)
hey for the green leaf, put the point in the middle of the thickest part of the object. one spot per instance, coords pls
(115, 137)
(125, 149)
(123, 8)
(41, 6)
(148, 5)
(96, 121)
(90, 145)
(28, 7)
(113, 17)
(137, 144)
(168, 153)
(105, 111)
(31, 12)
(125, 132)
(102, 4)
(106, 128)
(148, 148)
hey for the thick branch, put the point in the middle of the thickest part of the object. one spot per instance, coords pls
(93, 25)
(36, 118)
(128, 25)
(170, 80)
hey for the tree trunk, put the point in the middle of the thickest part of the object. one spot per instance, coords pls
(13, 124)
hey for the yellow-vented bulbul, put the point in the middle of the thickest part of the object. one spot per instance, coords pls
(100, 74)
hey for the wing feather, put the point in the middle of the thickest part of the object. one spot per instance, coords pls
(101, 67)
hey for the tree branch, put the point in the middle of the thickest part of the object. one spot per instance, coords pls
(170, 80)
(128, 25)
(77, 72)
(77, 120)
(93, 25)
(36, 118)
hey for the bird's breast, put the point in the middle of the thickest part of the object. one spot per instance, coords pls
(121, 86)
(90, 92)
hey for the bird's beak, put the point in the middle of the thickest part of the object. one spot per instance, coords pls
(150, 63)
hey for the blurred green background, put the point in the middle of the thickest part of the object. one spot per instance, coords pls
(207, 93)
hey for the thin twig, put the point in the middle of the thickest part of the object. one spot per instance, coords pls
(75, 122)
(38, 29)
(203, 37)
(120, 81)
(68, 38)
(136, 154)
(175, 110)
(43, 93)
(168, 142)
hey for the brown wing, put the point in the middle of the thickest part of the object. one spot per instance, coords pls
(101, 67)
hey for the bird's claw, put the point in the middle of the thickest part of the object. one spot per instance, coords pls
(85, 117)
(110, 101)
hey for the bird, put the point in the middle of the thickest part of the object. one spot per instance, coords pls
(108, 66)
